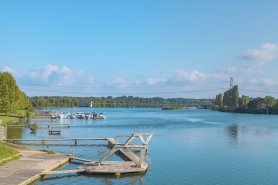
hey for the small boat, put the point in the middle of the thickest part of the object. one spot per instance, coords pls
(61, 116)
(53, 117)
(73, 116)
(82, 115)
(93, 115)
(87, 116)
(79, 115)
(67, 115)
(101, 116)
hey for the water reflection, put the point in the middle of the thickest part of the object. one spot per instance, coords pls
(15, 132)
(232, 132)
(130, 179)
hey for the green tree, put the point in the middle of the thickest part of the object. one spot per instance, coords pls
(270, 101)
(41, 101)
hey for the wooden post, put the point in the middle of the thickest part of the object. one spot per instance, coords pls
(75, 142)
(43, 142)
(68, 125)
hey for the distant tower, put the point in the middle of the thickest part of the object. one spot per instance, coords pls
(231, 82)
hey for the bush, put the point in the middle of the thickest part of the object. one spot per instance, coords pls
(35, 127)
(35, 124)
(28, 115)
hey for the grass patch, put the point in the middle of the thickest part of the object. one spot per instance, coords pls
(172, 108)
(48, 151)
(15, 116)
(7, 152)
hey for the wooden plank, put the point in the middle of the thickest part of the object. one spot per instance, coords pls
(81, 139)
(80, 159)
(50, 125)
(112, 167)
(61, 172)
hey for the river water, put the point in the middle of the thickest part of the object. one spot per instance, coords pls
(188, 147)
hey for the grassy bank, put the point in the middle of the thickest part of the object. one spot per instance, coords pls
(172, 108)
(14, 117)
(7, 153)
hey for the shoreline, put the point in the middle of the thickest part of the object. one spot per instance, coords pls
(28, 167)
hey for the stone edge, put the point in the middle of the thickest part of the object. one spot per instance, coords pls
(37, 176)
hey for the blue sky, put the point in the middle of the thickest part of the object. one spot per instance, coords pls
(143, 48)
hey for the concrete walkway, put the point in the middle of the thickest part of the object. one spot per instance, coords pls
(3, 133)
(31, 163)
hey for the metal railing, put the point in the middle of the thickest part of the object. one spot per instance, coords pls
(141, 129)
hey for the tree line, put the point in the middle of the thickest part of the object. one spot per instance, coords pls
(11, 97)
(232, 102)
(66, 101)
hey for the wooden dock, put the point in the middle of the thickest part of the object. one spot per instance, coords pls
(55, 131)
(50, 125)
(112, 167)
(131, 165)
(61, 172)
(44, 140)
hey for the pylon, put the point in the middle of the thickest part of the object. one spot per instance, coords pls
(231, 82)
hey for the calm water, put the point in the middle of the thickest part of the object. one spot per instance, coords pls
(188, 146)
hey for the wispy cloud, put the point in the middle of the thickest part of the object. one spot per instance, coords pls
(119, 82)
(253, 60)
(261, 56)
(152, 81)
(10, 70)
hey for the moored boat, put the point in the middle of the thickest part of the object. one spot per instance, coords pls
(101, 116)
(87, 116)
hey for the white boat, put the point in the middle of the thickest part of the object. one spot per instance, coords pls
(87, 116)
(101, 116)
(73, 116)
(61, 116)
(82, 115)
(79, 115)
(53, 117)
(67, 115)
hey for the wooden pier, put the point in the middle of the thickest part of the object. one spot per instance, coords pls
(50, 125)
(131, 165)
(55, 131)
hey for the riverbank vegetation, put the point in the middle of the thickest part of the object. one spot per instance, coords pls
(55, 101)
(231, 102)
(7, 153)
(172, 107)
(14, 104)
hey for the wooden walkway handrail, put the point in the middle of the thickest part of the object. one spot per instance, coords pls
(56, 139)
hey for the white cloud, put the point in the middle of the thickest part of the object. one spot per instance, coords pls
(255, 59)
(10, 70)
(268, 82)
(47, 70)
(91, 80)
(64, 69)
(253, 81)
(189, 76)
(119, 82)
(266, 53)
(152, 81)
(54, 75)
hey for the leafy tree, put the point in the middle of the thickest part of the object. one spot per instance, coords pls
(270, 101)
(243, 101)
